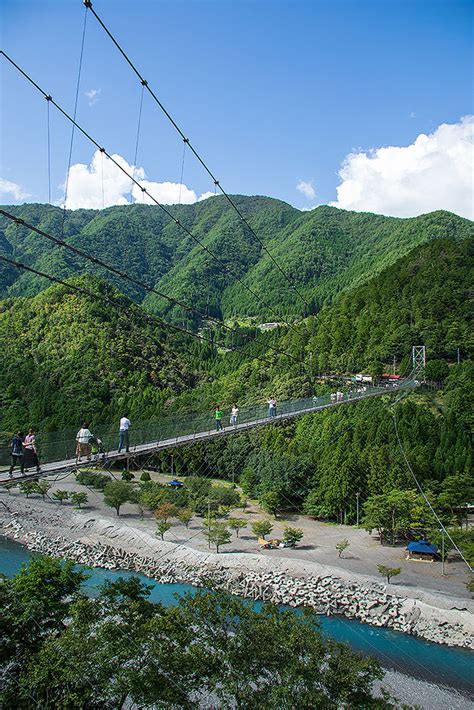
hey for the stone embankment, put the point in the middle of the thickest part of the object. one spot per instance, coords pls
(313, 586)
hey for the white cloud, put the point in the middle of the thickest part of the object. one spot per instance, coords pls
(433, 173)
(307, 189)
(168, 193)
(412, 115)
(12, 190)
(206, 196)
(93, 95)
(102, 184)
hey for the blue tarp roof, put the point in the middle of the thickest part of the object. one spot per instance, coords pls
(175, 483)
(422, 546)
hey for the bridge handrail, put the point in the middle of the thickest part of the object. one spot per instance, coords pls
(58, 446)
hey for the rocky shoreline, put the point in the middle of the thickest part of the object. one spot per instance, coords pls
(98, 543)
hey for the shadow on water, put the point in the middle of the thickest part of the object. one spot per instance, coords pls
(438, 664)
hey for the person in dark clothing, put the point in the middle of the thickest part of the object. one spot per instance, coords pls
(17, 453)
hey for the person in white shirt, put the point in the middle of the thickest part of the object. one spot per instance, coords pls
(234, 414)
(82, 443)
(123, 434)
(272, 407)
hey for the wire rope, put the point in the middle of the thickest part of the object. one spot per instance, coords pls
(423, 494)
(225, 267)
(88, 5)
(147, 316)
(137, 140)
(48, 147)
(73, 127)
(136, 282)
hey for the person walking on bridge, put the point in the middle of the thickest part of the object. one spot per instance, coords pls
(29, 445)
(272, 407)
(82, 443)
(124, 436)
(233, 415)
(218, 417)
(17, 453)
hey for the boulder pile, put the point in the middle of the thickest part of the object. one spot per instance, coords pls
(324, 593)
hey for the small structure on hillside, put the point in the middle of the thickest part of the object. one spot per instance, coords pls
(174, 483)
(422, 550)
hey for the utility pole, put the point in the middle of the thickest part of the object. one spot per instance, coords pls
(458, 355)
(357, 501)
(394, 363)
(209, 521)
(172, 465)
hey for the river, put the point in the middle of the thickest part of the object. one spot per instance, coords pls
(441, 665)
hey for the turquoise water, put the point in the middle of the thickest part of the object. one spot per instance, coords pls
(439, 664)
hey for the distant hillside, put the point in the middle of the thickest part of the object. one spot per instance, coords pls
(424, 298)
(324, 251)
(66, 358)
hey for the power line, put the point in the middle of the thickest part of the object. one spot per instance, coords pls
(88, 5)
(136, 282)
(177, 221)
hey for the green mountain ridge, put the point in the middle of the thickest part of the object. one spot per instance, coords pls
(76, 351)
(324, 252)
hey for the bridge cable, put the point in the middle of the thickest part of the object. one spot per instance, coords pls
(88, 5)
(425, 497)
(76, 100)
(226, 269)
(139, 123)
(48, 147)
(136, 282)
(147, 316)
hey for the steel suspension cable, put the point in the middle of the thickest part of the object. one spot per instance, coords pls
(139, 123)
(48, 147)
(76, 100)
(423, 494)
(137, 282)
(147, 316)
(225, 267)
(88, 5)
(99, 297)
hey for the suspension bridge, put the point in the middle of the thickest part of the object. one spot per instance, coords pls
(58, 451)
(148, 439)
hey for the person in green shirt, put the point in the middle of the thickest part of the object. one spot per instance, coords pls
(218, 417)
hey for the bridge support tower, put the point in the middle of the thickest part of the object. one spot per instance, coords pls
(418, 360)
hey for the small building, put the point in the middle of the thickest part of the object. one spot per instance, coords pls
(422, 550)
(174, 484)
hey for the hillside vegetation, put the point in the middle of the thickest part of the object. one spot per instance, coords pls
(67, 358)
(324, 252)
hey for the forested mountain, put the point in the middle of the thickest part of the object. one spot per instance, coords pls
(67, 357)
(324, 251)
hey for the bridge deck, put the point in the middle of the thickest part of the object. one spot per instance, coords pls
(65, 465)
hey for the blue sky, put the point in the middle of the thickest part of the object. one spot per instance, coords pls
(272, 93)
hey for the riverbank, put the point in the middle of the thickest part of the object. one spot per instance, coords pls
(101, 542)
